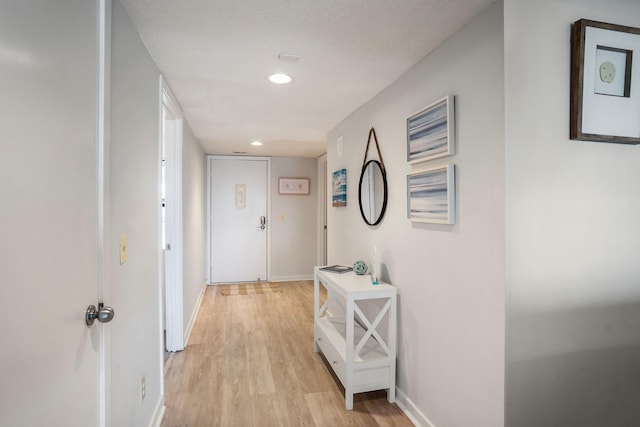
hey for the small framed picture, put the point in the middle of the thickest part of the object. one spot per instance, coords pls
(339, 188)
(431, 131)
(605, 83)
(431, 195)
(293, 186)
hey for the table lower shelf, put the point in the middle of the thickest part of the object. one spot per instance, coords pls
(334, 328)
(371, 371)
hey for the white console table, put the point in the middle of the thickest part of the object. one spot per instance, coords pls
(362, 358)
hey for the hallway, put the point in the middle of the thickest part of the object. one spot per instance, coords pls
(250, 362)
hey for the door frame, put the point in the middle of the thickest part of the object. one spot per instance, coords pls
(210, 159)
(172, 285)
(322, 209)
(102, 164)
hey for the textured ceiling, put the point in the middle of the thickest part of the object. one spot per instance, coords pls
(217, 55)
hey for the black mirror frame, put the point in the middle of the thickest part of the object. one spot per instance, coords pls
(384, 201)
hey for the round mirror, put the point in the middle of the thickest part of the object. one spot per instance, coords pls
(373, 192)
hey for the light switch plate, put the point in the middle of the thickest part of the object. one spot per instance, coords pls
(123, 249)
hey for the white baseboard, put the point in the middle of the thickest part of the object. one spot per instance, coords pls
(411, 411)
(291, 278)
(158, 414)
(194, 314)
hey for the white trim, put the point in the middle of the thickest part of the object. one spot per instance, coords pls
(269, 219)
(207, 261)
(174, 298)
(322, 203)
(161, 262)
(173, 223)
(102, 181)
(169, 99)
(411, 410)
(194, 314)
(291, 278)
(158, 413)
(210, 158)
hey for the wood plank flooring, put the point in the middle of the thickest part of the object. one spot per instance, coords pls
(250, 362)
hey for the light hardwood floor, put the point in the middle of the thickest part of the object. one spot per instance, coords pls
(250, 362)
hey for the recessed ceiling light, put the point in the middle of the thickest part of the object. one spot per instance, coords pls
(257, 143)
(280, 79)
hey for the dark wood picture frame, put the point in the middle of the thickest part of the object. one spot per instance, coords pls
(577, 101)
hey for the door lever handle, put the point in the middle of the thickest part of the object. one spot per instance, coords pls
(263, 223)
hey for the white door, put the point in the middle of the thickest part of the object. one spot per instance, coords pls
(49, 258)
(239, 220)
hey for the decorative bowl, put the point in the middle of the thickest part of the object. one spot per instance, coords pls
(360, 267)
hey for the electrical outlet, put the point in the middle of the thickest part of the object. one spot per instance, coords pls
(143, 388)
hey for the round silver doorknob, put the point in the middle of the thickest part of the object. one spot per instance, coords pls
(104, 314)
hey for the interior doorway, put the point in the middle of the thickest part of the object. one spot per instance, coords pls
(171, 228)
(322, 210)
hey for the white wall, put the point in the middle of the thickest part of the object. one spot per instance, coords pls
(573, 236)
(191, 214)
(193, 222)
(450, 279)
(134, 203)
(293, 221)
